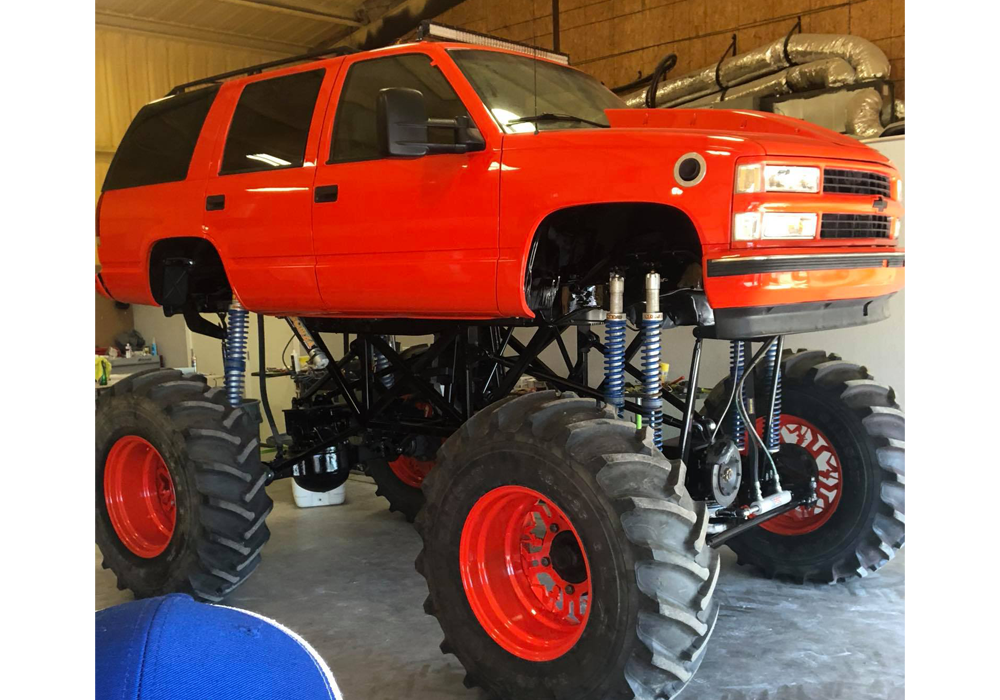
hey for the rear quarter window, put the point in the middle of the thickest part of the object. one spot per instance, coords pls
(160, 141)
(270, 126)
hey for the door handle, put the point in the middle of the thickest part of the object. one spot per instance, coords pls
(325, 193)
(215, 202)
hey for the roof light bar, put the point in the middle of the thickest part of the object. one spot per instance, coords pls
(442, 32)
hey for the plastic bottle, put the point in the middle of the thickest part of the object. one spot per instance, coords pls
(128, 350)
(152, 347)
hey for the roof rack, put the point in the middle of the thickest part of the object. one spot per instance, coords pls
(435, 31)
(253, 70)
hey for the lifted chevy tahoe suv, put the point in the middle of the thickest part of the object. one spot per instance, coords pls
(465, 192)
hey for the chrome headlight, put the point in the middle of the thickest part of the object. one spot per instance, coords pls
(755, 177)
(755, 226)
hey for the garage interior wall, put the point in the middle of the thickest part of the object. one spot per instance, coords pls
(133, 68)
(613, 39)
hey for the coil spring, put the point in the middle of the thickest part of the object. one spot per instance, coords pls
(381, 363)
(652, 379)
(238, 325)
(737, 363)
(614, 365)
(773, 434)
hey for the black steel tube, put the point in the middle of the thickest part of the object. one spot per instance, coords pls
(496, 367)
(555, 25)
(721, 538)
(262, 371)
(689, 403)
(565, 353)
(408, 373)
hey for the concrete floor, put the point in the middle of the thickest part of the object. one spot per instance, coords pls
(343, 578)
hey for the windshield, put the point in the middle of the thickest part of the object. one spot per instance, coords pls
(507, 85)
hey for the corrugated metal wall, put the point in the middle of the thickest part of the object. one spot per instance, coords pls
(134, 68)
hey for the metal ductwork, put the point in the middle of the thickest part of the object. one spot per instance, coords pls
(825, 73)
(865, 59)
(863, 110)
(792, 64)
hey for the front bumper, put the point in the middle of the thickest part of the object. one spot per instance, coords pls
(756, 295)
(752, 322)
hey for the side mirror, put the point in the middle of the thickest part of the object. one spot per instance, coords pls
(402, 123)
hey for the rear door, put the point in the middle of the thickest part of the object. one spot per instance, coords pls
(258, 205)
(405, 236)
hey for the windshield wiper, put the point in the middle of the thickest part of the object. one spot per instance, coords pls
(550, 117)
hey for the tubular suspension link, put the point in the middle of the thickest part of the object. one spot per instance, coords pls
(737, 363)
(652, 379)
(317, 358)
(773, 364)
(238, 326)
(614, 343)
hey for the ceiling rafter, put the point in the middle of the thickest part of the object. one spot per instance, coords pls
(186, 31)
(295, 11)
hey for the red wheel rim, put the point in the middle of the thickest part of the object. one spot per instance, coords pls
(829, 479)
(525, 573)
(410, 471)
(139, 495)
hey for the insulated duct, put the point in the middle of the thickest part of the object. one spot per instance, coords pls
(864, 58)
(863, 111)
(825, 73)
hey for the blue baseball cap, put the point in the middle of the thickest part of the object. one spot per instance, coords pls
(173, 648)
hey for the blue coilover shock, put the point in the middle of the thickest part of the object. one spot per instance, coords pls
(773, 364)
(238, 325)
(652, 378)
(737, 363)
(614, 347)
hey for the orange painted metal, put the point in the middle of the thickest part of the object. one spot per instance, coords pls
(139, 496)
(772, 288)
(506, 560)
(829, 481)
(448, 236)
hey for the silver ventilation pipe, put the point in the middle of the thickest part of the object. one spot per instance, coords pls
(866, 60)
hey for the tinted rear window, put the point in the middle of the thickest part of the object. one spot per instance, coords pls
(270, 126)
(160, 141)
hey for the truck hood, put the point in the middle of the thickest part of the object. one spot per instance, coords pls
(777, 135)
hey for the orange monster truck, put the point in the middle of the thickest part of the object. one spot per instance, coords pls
(503, 203)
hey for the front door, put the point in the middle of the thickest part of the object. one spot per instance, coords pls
(403, 237)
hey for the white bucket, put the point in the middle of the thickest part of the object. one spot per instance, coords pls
(311, 499)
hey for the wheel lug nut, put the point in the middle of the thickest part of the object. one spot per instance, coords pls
(545, 561)
(554, 527)
(569, 588)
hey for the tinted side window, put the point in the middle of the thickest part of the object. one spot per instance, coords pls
(354, 131)
(160, 141)
(270, 126)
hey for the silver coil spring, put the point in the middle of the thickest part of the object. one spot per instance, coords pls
(652, 379)
(381, 363)
(238, 324)
(614, 365)
(737, 363)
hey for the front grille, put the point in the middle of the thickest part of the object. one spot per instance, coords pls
(854, 226)
(837, 181)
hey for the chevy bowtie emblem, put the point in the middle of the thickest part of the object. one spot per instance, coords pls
(879, 205)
